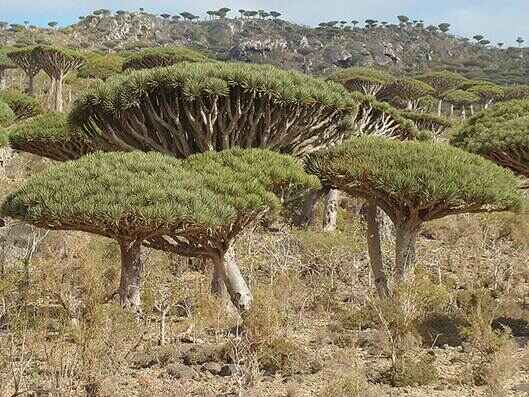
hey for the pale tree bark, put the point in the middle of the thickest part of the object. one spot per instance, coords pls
(131, 271)
(405, 239)
(227, 278)
(306, 218)
(58, 94)
(463, 113)
(439, 107)
(332, 200)
(3, 83)
(375, 252)
(31, 85)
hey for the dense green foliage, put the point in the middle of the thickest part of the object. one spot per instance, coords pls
(193, 80)
(406, 89)
(500, 133)
(5, 62)
(7, 116)
(23, 105)
(196, 107)
(49, 135)
(362, 79)
(432, 180)
(461, 97)
(442, 81)
(100, 66)
(144, 194)
(164, 56)
(427, 121)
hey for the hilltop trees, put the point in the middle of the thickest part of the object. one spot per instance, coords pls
(500, 134)
(413, 182)
(203, 203)
(164, 56)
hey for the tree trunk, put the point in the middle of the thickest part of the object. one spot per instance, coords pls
(2, 79)
(58, 94)
(131, 271)
(405, 238)
(332, 199)
(463, 113)
(163, 316)
(439, 107)
(31, 85)
(306, 217)
(227, 277)
(451, 110)
(472, 110)
(375, 252)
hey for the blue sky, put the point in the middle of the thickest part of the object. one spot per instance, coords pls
(498, 20)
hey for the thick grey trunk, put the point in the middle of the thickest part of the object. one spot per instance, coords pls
(405, 238)
(2, 79)
(332, 200)
(131, 271)
(58, 94)
(306, 217)
(31, 85)
(227, 278)
(375, 252)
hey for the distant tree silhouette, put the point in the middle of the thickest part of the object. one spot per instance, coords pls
(444, 27)
(403, 19)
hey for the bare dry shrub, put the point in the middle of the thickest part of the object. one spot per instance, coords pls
(491, 352)
(352, 383)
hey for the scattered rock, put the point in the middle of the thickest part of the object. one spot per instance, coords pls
(212, 367)
(179, 371)
(199, 355)
(230, 370)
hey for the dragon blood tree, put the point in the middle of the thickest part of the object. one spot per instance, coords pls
(195, 207)
(427, 122)
(5, 65)
(197, 107)
(442, 82)
(488, 94)
(461, 99)
(26, 60)
(361, 79)
(57, 63)
(405, 92)
(500, 134)
(162, 56)
(192, 108)
(413, 182)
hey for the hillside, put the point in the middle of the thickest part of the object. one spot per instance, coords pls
(409, 48)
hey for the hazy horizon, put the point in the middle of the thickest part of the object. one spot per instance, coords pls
(504, 23)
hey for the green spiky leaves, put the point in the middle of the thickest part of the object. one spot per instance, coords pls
(144, 195)
(418, 179)
(500, 134)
